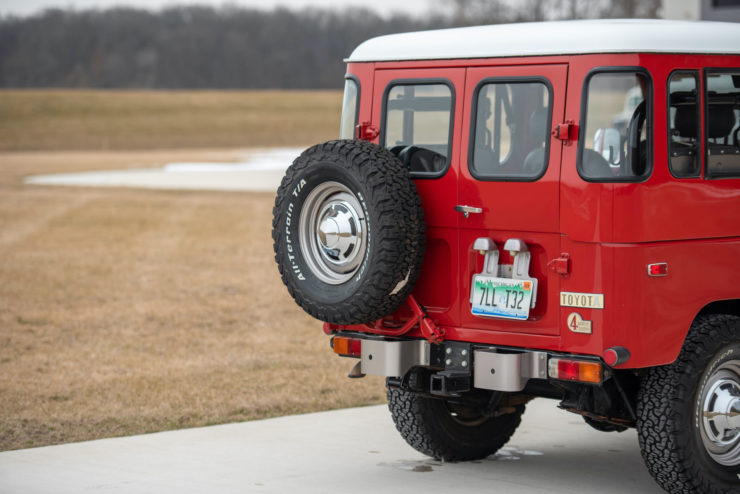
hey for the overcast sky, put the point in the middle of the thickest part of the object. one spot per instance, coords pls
(383, 7)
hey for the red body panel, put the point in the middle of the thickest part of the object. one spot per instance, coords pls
(611, 231)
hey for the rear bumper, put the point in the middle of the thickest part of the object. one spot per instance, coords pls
(457, 365)
(393, 358)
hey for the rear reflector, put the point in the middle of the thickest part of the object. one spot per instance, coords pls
(575, 370)
(347, 347)
(616, 355)
(657, 269)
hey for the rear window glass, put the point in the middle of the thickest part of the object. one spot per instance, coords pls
(615, 129)
(683, 106)
(723, 123)
(417, 126)
(511, 130)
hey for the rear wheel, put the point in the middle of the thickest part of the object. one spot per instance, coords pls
(450, 431)
(689, 411)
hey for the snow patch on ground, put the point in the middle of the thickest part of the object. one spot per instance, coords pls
(260, 171)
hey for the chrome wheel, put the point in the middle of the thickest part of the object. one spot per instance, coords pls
(333, 233)
(720, 414)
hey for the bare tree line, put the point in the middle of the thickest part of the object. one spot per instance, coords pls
(231, 47)
(475, 12)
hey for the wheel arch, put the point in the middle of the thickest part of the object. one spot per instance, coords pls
(728, 306)
(731, 306)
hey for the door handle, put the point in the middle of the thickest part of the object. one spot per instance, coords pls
(466, 210)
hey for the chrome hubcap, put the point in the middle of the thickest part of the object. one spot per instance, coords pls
(333, 233)
(720, 424)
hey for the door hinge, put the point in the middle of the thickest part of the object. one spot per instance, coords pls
(560, 265)
(566, 131)
(366, 131)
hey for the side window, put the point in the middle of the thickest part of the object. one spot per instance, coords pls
(417, 125)
(349, 109)
(509, 139)
(683, 119)
(616, 119)
(723, 123)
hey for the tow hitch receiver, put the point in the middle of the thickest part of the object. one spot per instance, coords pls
(450, 383)
(456, 360)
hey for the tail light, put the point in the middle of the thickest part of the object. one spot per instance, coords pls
(575, 370)
(347, 347)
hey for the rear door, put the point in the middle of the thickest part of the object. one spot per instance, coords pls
(508, 187)
(420, 116)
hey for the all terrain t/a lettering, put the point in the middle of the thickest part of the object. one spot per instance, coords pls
(289, 243)
(298, 187)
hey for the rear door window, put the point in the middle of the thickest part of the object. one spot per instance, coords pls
(615, 138)
(511, 129)
(417, 125)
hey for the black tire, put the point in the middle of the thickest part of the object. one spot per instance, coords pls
(429, 426)
(348, 232)
(676, 411)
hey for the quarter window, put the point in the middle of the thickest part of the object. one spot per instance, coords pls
(511, 130)
(418, 123)
(723, 123)
(349, 109)
(614, 141)
(683, 118)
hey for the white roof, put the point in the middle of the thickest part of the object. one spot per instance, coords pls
(554, 38)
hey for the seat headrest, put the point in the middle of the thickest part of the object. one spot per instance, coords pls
(686, 123)
(721, 120)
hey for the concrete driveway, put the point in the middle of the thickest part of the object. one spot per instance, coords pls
(354, 451)
(350, 451)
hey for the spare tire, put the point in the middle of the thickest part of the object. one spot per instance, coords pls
(348, 232)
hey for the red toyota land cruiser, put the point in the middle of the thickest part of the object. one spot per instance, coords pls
(535, 210)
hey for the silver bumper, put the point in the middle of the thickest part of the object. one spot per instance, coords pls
(393, 358)
(490, 368)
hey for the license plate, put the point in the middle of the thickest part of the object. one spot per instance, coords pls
(501, 297)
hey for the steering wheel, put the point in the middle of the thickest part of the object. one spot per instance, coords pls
(405, 154)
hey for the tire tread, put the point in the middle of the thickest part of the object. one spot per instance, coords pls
(398, 230)
(664, 420)
(418, 419)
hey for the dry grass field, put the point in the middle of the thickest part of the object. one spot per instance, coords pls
(131, 311)
(125, 120)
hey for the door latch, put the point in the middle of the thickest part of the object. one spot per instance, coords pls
(560, 265)
(466, 210)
